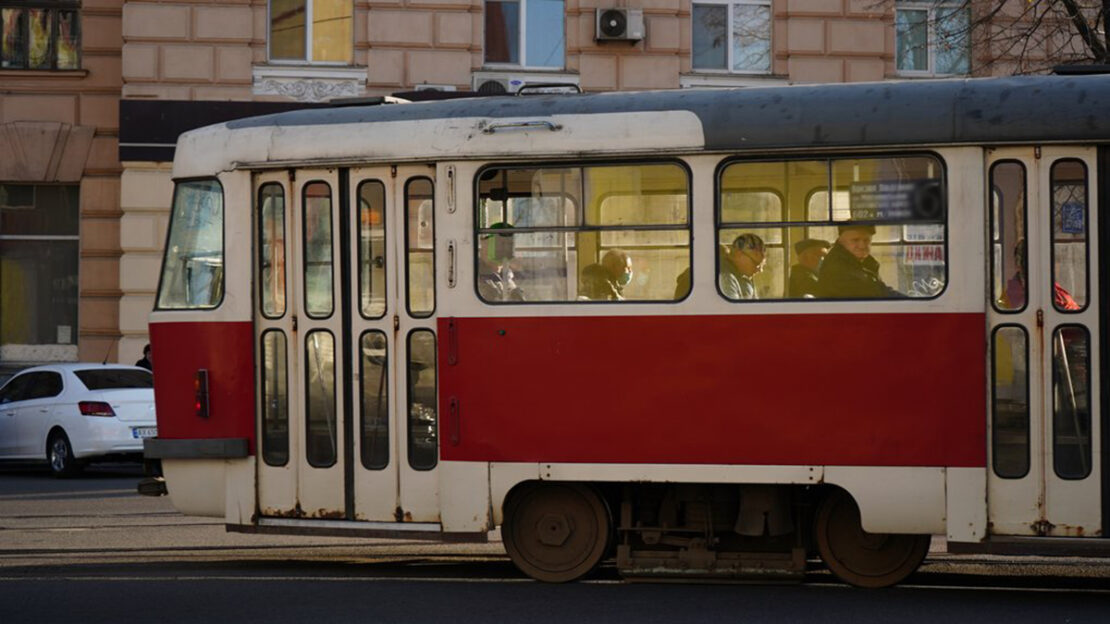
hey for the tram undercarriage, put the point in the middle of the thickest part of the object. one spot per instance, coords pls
(559, 532)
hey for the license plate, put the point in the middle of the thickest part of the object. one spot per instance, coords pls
(144, 432)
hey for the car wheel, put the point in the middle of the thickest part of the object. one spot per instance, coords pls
(59, 453)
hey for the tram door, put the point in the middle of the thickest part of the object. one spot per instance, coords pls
(1044, 456)
(347, 374)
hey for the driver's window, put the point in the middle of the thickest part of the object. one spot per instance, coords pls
(15, 390)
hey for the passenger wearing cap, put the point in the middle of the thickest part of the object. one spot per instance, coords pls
(803, 275)
(605, 281)
(740, 261)
(849, 271)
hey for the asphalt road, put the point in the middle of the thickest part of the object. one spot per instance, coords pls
(90, 550)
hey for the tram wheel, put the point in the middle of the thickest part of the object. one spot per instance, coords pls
(555, 532)
(860, 558)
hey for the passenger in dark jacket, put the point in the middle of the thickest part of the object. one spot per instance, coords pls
(849, 271)
(803, 275)
(605, 281)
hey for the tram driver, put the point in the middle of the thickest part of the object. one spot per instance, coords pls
(495, 273)
(849, 271)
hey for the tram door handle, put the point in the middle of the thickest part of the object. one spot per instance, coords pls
(453, 424)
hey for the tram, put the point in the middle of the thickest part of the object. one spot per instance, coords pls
(573, 317)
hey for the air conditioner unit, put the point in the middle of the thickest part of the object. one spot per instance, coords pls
(497, 85)
(615, 24)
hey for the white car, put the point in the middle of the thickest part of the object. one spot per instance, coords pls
(71, 414)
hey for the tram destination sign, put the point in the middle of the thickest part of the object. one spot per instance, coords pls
(896, 200)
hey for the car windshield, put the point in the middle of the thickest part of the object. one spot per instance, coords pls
(111, 378)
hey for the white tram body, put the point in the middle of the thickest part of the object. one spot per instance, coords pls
(376, 320)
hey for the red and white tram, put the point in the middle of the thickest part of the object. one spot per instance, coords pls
(386, 320)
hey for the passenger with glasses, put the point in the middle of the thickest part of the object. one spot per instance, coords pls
(740, 262)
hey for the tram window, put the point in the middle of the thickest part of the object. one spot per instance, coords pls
(318, 295)
(275, 399)
(890, 210)
(374, 376)
(371, 249)
(1010, 402)
(319, 380)
(1071, 402)
(193, 267)
(1069, 235)
(582, 233)
(271, 262)
(423, 450)
(1009, 255)
(420, 247)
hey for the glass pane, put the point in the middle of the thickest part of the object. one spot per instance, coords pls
(13, 46)
(544, 34)
(1069, 235)
(530, 198)
(420, 243)
(1010, 403)
(751, 38)
(42, 30)
(1008, 253)
(30, 210)
(757, 191)
(953, 52)
(317, 250)
(636, 195)
(890, 189)
(69, 40)
(320, 421)
(423, 451)
(287, 29)
(710, 39)
(502, 32)
(371, 248)
(374, 376)
(1071, 407)
(271, 223)
(911, 32)
(750, 263)
(112, 378)
(193, 267)
(38, 292)
(331, 30)
(641, 265)
(275, 400)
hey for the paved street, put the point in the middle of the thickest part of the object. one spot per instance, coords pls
(90, 550)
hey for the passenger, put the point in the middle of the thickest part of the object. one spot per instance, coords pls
(803, 275)
(740, 261)
(849, 271)
(147, 360)
(495, 275)
(605, 281)
(1014, 296)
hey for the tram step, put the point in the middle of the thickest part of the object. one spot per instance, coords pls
(752, 567)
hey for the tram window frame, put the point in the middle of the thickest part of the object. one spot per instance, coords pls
(408, 250)
(996, 218)
(366, 457)
(284, 455)
(362, 261)
(262, 299)
(1027, 459)
(307, 395)
(1090, 415)
(331, 249)
(410, 381)
(1086, 234)
(580, 226)
(807, 222)
(179, 184)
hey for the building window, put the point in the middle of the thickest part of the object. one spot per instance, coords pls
(311, 31)
(40, 35)
(526, 33)
(732, 36)
(932, 38)
(39, 238)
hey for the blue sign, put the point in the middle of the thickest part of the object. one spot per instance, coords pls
(1072, 218)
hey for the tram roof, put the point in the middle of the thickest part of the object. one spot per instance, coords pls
(920, 112)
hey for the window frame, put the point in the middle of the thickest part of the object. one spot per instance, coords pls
(265, 452)
(408, 249)
(385, 416)
(284, 251)
(361, 260)
(992, 232)
(583, 164)
(55, 7)
(729, 18)
(336, 397)
(994, 402)
(522, 43)
(410, 380)
(1086, 234)
(307, 60)
(177, 184)
(930, 9)
(1091, 414)
(831, 189)
(331, 248)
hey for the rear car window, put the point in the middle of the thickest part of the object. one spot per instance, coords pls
(112, 378)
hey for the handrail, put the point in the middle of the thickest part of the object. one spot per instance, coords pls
(522, 125)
